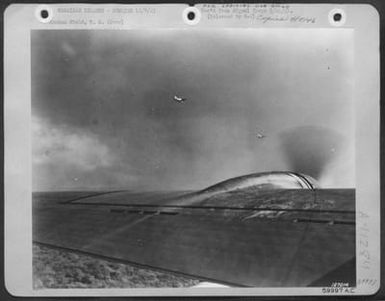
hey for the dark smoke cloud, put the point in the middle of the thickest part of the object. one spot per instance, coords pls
(310, 149)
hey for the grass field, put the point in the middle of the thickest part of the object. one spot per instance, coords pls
(54, 268)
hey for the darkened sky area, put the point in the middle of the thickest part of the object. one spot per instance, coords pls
(104, 115)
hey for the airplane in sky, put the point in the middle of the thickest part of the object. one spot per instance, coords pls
(179, 99)
(259, 134)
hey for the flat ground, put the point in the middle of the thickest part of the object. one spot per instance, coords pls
(55, 268)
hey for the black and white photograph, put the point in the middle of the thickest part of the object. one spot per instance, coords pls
(193, 158)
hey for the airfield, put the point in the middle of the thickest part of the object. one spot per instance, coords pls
(270, 238)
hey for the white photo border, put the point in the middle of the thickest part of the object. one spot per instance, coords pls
(20, 19)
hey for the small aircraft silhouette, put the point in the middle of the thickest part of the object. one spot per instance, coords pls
(258, 133)
(179, 99)
(260, 136)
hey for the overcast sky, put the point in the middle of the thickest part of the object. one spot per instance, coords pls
(104, 115)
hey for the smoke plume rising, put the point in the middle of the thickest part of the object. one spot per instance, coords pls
(309, 149)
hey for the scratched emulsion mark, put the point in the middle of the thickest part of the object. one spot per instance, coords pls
(264, 13)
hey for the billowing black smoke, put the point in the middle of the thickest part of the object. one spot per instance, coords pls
(309, 149)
